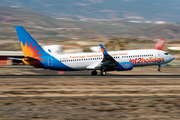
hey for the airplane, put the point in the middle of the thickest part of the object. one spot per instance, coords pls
(104, 61)
(160, 44)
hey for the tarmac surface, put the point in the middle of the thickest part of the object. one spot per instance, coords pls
(27, 93)
(148, 72)
(90, 76)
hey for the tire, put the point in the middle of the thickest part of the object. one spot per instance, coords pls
(159, 69)
(94, 73)
(103, 73)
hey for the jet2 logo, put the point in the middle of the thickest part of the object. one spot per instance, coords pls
(143, 60)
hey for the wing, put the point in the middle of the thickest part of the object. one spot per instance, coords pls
(108, 60)
(94, 66)
(107, 63)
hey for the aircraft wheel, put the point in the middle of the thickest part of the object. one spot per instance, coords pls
(159, 69)
(94, 72)
(103, 73)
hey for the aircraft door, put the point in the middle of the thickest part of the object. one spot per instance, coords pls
(50, 62)
(158, 53)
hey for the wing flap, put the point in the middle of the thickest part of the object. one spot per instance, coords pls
(93, 66)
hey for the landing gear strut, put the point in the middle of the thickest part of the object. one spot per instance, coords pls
(103, 72)
(159, 69)
(94, 72)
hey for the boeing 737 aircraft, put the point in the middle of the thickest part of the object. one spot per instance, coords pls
(104, 61)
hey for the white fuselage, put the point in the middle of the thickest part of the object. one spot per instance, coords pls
(84, 61)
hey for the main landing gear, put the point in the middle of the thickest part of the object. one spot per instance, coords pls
(103, 72)
(94, 73)
(159, 69)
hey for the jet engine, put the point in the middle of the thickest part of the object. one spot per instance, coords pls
(124, 66)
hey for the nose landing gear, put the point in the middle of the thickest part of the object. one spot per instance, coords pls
(159, 69)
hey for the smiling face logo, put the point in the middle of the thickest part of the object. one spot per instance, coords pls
(30, 52)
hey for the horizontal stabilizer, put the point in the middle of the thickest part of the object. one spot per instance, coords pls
(19, 59)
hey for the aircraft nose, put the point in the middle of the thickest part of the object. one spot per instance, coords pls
(172, 57)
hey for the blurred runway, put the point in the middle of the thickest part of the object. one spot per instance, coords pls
(30, 72)
(89, 76)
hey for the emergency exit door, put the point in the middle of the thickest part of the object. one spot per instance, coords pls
(50, 62)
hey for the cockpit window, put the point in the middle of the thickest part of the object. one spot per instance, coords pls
(166, 53)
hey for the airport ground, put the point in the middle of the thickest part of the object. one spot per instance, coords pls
(83, 97)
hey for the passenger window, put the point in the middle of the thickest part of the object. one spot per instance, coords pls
(166, 53)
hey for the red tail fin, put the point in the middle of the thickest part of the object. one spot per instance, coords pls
(160, 44)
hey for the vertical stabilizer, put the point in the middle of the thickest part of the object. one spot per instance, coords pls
(160, 44)
(29, 46)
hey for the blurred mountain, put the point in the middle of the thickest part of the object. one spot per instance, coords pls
(166, 31)
(46, 28)
(157, 10)
(25, 17)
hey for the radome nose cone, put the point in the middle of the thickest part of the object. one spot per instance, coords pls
(172, 57)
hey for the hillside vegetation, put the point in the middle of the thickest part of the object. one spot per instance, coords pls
(47, 28)
(166, 31)
(167, 10)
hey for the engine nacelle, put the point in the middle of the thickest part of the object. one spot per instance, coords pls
(124, 66)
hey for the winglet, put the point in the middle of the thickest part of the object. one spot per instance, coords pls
(103, 50)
